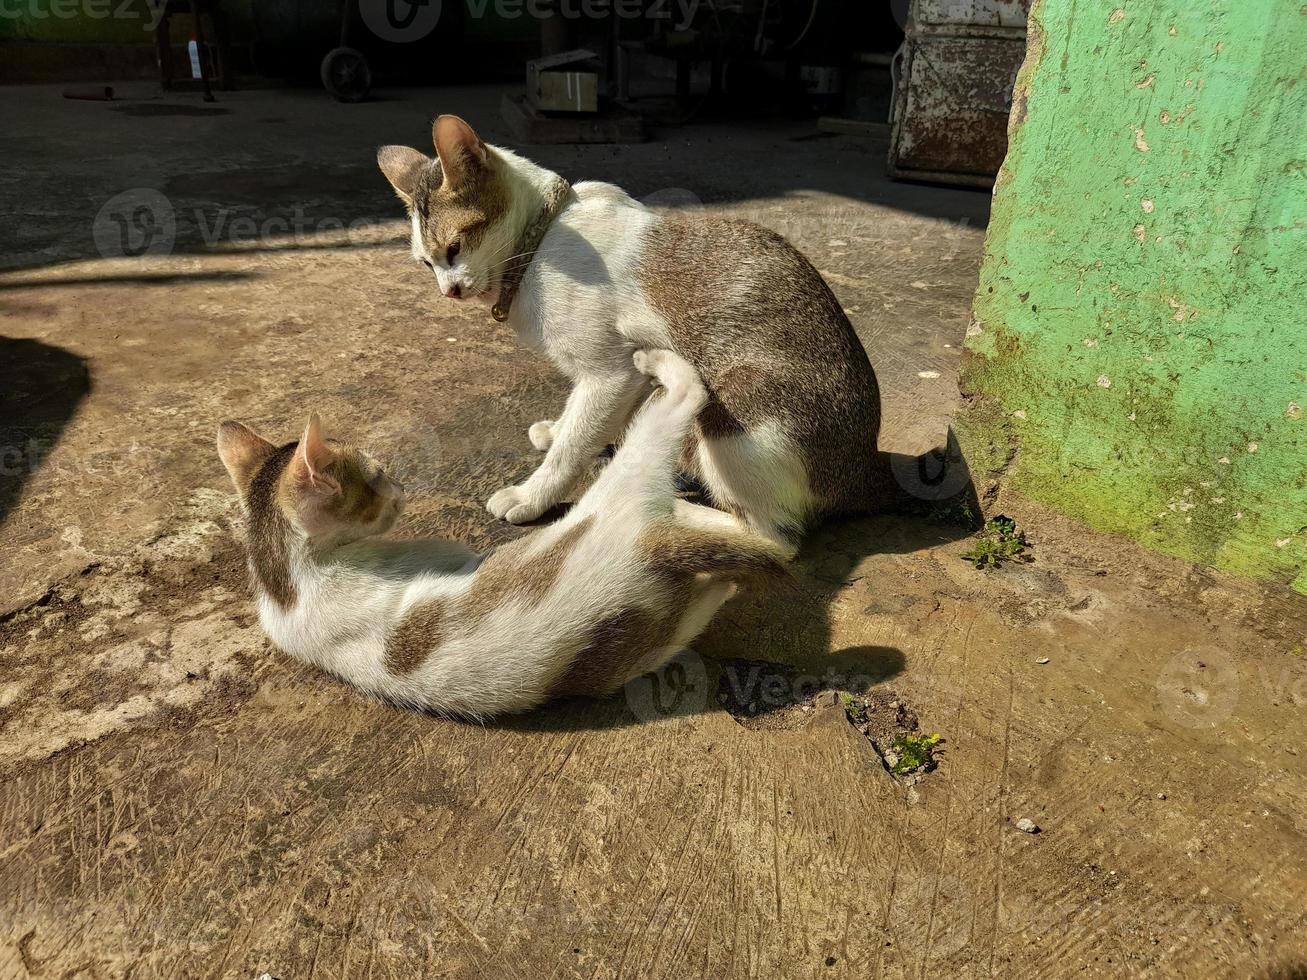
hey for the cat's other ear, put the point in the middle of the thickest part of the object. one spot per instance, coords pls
(242, 451)
(312, 457)
(402, 166)
(462, 154)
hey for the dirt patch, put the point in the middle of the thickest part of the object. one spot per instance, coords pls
(164, 627)
(236, 813)
(772, 697)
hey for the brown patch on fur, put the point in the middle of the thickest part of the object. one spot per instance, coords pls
(416, 635)
(519, 571)
(675, 556)
(462, 213)
(772, 344)
(717, 422)
(357, 502)
(674, 550)
(267, 527)
(617, 645)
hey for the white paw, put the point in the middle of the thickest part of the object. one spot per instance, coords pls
(677, 375)
(541, 435)
(644, 362)
(517, 505)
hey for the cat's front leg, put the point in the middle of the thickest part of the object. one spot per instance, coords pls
(597, 410)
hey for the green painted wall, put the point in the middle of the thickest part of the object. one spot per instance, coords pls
(1140, 335)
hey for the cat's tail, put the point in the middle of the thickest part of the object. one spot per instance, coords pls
(741, 557)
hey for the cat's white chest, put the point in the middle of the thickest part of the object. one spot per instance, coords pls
(585, 304)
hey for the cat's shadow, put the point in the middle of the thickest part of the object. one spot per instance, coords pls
(773, 648)
(696, 682)
(44, 386)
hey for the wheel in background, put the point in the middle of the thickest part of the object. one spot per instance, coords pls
(346, 75)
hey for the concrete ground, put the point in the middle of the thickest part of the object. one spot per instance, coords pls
(180, 800)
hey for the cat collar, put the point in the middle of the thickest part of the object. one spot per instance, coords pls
(534, 233)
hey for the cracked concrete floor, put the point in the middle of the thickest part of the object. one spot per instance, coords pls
(178, 800)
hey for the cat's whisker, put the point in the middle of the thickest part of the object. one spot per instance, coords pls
(528, 256)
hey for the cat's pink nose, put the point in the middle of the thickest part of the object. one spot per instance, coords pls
(454, 292)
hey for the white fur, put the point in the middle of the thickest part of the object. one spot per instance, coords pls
(581, 302)
(351, 598)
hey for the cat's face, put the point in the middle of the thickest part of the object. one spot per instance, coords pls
(329, 494)
(457, 203)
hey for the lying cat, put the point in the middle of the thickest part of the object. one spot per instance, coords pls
(607, 593)
(588, 275)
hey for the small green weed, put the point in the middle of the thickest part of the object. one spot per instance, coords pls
(955, 512)
(853, 707)
(999, 540)
(914, 752)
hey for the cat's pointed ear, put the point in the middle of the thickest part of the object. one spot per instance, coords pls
(462, 154)
(242, 451)
(312, 457)
(402, 166)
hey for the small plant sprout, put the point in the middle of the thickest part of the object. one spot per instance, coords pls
(999, 540)
(915, 753)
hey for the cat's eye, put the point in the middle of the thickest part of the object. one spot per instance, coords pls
(452, 252)
(427, 262)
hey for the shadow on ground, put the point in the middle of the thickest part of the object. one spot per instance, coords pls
(43, 385)
(772, 649)
(275, 197)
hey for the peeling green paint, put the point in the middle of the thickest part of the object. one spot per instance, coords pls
(1138, 332)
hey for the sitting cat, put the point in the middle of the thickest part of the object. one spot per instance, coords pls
(609, 592)
(587, 274)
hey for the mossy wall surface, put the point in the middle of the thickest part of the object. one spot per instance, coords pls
(1139, 338)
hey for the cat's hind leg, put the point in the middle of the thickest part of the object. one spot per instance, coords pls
(758, 476)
